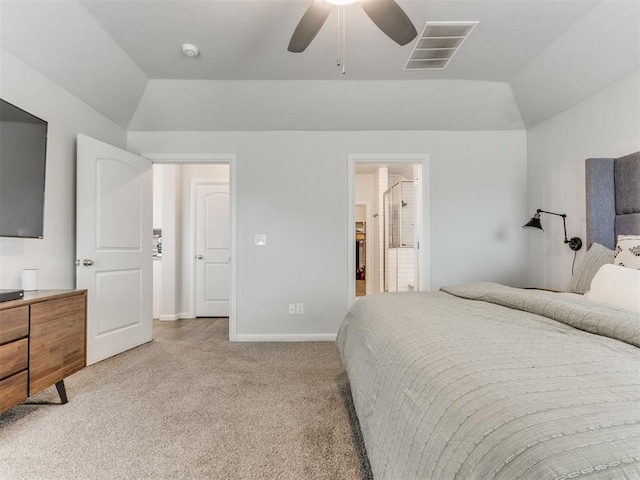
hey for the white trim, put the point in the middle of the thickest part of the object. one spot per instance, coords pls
(424, 280)
(230, 159)
(186, 158)
(286, 337)
(175, 316)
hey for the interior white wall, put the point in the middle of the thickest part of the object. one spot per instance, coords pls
(69, 46)
(267, 105)
(478, 198)
(605, 125)
(600, 49)
(364, 188)
(168, 214)
(68, 116)
(158, 191)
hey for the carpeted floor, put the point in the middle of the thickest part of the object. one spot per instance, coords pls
(192, 409)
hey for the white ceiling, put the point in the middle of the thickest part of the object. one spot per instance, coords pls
(247, 39)
(110, 52)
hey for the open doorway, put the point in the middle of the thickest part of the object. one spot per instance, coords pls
(389, 223)
(191, 214)
(194, 217)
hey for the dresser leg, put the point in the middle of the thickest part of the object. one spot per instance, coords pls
(62, 391)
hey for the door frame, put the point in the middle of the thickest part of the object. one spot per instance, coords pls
(424, 250)
(212, 159)
(193, 223)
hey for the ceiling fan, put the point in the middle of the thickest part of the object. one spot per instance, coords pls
(386, 14)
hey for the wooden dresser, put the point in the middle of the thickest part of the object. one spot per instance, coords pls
(42, 341)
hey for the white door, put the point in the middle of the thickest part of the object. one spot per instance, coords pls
(213, 238)
(113, 244)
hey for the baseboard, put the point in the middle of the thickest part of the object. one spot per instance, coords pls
(286, 337)
(174, 317)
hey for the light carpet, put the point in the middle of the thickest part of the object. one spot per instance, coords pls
(206, 409)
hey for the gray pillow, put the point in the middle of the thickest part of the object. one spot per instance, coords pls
(595, 257)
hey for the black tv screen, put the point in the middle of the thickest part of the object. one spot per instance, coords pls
(23, 151)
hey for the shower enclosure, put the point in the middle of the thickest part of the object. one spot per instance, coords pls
(399, 237)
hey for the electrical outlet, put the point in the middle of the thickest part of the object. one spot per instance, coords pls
(299, 308)
(292, 309)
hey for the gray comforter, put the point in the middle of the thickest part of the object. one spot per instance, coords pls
(490, 382)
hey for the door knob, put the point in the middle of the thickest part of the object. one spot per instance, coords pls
(87, 262)
(199, 257)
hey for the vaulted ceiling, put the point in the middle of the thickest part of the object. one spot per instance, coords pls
(526, 61)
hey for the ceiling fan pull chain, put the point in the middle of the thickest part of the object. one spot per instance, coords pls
(339, 62)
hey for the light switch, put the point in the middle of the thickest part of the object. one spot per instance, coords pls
(261, 239)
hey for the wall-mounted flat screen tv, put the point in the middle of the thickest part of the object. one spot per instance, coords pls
(23, 152)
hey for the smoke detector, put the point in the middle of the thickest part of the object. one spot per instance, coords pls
(190, 50)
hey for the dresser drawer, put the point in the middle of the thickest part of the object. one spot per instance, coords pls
(13, 390)
(13, 357)
(14, 324)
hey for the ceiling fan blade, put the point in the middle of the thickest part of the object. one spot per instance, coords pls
(309, 26)
(391, 19)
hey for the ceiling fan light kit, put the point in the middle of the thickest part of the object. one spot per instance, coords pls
(340, 2)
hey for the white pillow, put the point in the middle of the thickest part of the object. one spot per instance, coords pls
(595, 257)
(616, 286)
(628, 251)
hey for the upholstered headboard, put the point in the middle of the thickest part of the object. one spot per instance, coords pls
(613, 198)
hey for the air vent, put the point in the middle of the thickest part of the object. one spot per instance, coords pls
(437, 44)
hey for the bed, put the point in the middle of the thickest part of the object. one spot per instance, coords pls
(484, 381)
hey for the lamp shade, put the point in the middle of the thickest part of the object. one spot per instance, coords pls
(575, 243)
(534, 223)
